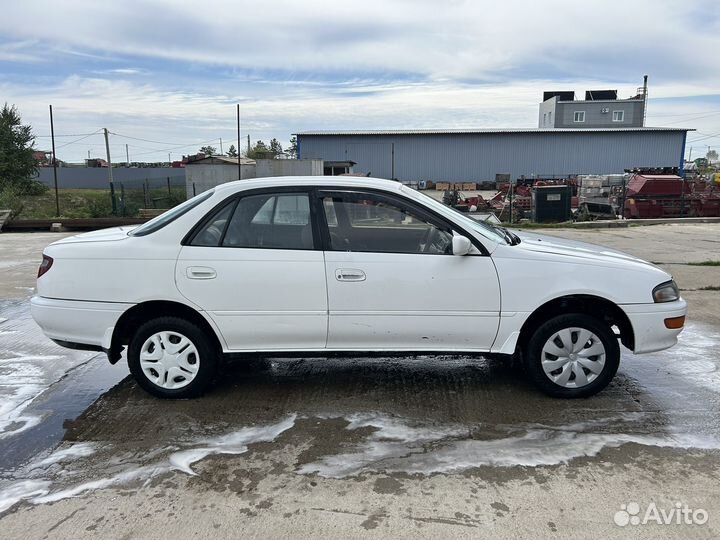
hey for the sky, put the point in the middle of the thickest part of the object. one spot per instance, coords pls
(164, 76)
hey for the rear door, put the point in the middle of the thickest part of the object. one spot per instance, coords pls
(255, 265)
(393, 282)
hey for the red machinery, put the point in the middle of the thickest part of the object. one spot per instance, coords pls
(668, 195)
(459, 201)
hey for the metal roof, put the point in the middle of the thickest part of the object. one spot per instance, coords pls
(483, 131)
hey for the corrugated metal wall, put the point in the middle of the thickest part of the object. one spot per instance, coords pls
(476, 157)
(201, 176)
(97, 177)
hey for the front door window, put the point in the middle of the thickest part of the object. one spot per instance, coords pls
(372, 223)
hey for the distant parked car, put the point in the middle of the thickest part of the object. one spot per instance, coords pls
(322, 265)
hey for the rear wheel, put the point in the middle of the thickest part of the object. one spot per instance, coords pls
(172, 358)
(572, 355)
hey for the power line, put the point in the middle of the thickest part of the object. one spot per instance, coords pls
(176, 147)
(704, 138)
(691, 119)
(712, 111)
(160, 142)
(80, 139)
(167, 145)
(56, 136)
(140, 139)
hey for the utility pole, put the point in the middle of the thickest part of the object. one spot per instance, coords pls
(221, 148)
(110, 176)
(248, 143)
(238, 137)
(88, 155)
(169, 158)
(645, 98)
(511, 200)
(127, 156)
(54, 162)
(392, 161)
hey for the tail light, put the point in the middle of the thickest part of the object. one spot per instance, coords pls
(45, 265)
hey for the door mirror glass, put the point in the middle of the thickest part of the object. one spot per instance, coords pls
(461, 245)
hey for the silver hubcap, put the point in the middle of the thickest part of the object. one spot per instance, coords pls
(573, 357)
(169, 360)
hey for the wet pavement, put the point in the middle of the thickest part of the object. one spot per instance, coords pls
(354, 447)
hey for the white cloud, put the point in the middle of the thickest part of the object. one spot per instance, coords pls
(83, 105)
(172, 70)
(480, 39)
(17, 51)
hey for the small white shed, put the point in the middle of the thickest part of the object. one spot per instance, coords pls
(211, 171)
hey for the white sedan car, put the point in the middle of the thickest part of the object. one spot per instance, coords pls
(331, 265)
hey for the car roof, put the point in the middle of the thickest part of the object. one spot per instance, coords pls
(329, 181)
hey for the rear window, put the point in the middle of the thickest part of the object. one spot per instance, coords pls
(171, 215)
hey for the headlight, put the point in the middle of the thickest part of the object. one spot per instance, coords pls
(666, 292)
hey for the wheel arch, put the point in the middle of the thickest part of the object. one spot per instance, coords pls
(580, 303)
(131, 320)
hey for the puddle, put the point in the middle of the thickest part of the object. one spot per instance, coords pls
(42, 385)
(397, 445)
(47, 412)
(29, 364)
(393, 445)
(424, 416)
(31, 484)
(696, 357)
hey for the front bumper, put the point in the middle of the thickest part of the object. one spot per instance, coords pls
(648, 322)
(76, 322)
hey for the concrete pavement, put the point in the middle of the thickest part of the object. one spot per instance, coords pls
(370, 448)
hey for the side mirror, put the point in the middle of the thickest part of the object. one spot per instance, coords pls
(461, 245)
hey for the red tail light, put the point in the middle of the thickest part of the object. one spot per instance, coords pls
(45, 265)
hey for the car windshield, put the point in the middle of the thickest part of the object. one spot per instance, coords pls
(488, 230)
(171, 215)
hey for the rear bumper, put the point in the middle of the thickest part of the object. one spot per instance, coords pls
(77, 323)
(648, 322)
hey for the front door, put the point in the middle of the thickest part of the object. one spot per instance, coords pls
(256, 268)
(393, 282)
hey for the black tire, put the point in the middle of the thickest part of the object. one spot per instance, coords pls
(532, 355)
(207, 350)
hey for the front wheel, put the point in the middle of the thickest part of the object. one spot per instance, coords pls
(172, 358)
(572, 356)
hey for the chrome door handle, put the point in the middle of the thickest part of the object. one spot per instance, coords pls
(201, 272)
(349, 274)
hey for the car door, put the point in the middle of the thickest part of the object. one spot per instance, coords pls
(393, 282)
(255, 265)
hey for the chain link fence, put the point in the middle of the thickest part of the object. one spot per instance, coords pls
(137, 198)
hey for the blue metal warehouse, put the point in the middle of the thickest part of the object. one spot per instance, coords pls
(478, 155)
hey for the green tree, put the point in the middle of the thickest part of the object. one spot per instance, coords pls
(701, 163)
(293, 148)
(232, 152)
(260, 151)
(17, 162)
(208, 150)
(275, 147)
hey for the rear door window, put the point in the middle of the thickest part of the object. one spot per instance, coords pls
(263, 221)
